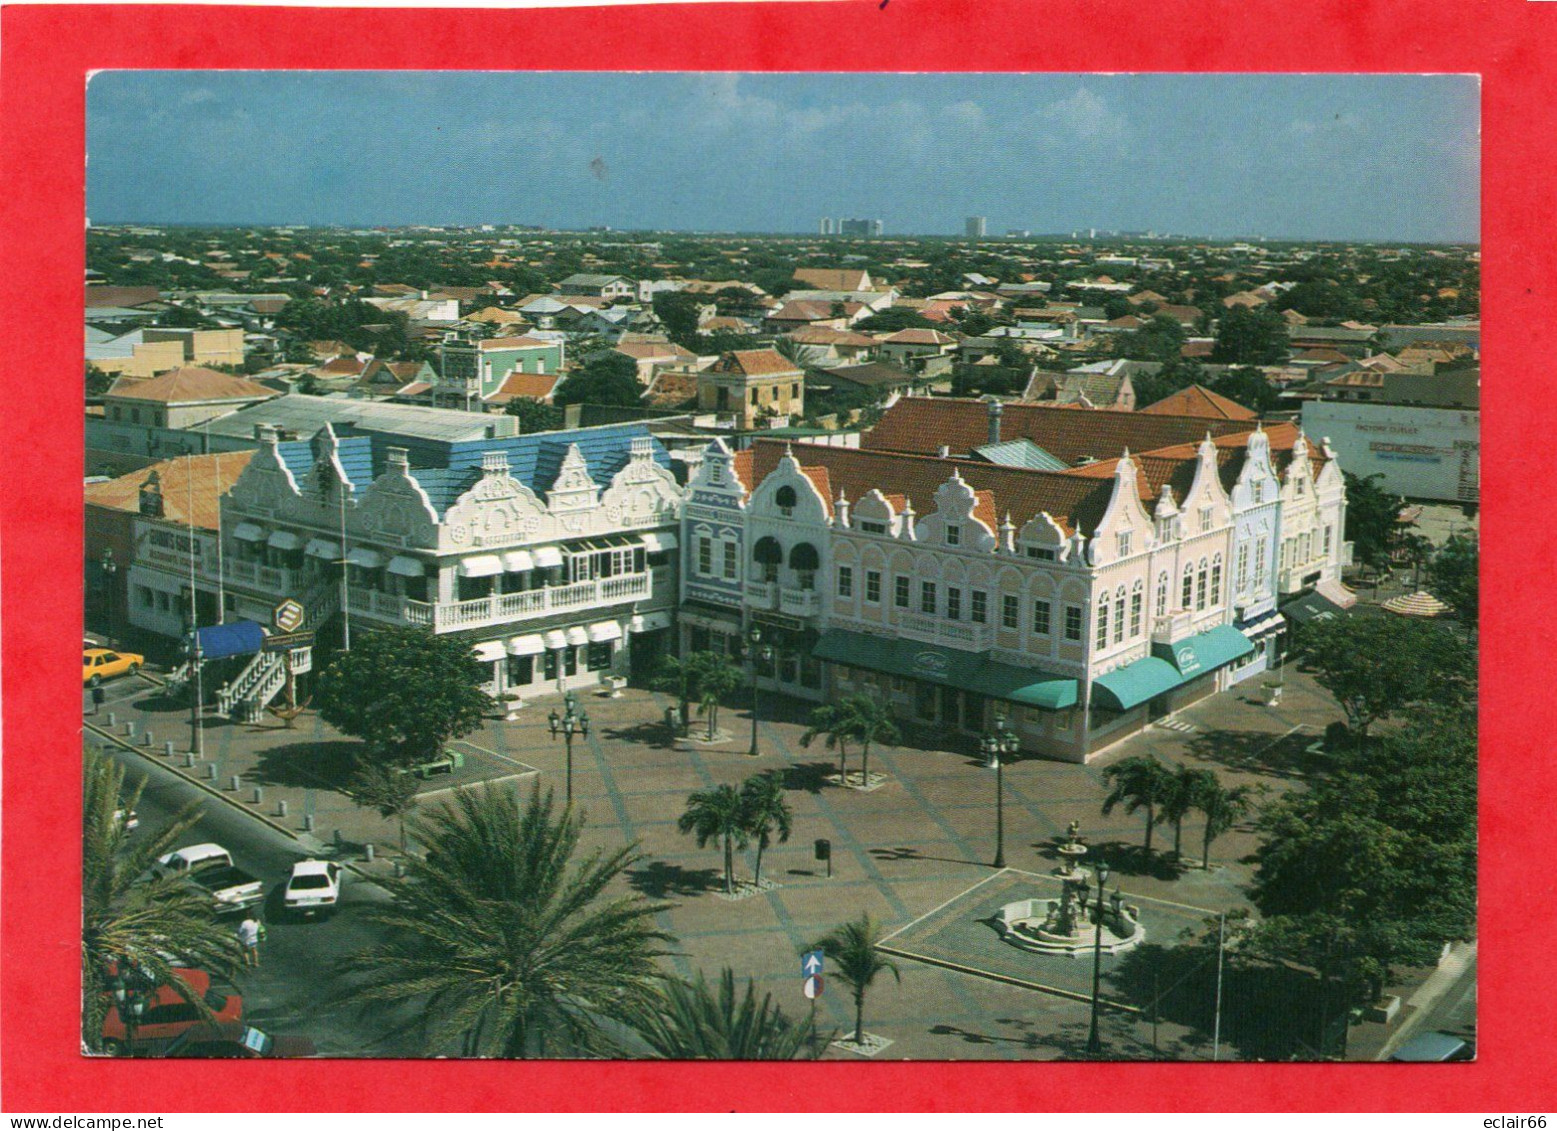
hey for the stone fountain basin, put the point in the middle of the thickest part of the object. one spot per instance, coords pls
(1021, 925)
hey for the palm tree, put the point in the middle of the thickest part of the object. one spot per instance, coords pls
(800, 355)
(716, 680)
(717, 814)
(509, 941)
(1223, 808)
(679, 677)
(1139, 782)
(852, 948)
(868, 720)
(690, 1020)
(129, 921)
(1180, 801)
(831, 723)
(766, 812)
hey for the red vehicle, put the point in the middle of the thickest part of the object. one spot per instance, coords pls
(168, 1014)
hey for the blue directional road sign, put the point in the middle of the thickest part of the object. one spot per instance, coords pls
(813, 986)
(810, 963)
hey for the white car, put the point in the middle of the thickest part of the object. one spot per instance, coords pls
(313, 887)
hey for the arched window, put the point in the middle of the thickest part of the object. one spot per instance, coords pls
(1102, 622)
(1162, 594)
(768, 555)
(805, 561)
(1200, 586)
(1216, 580)
(1188, 594)
(1119, 615)
(785, 499)
(1243, 567)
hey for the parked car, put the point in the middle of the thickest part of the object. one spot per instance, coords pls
(234, 1040)
(98, 664)
(168, 1014)
(313, 888)
(1435, 1048)
(211, 867)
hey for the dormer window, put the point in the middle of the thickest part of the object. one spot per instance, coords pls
(953, 534)
(785, 499)
(1257, 490)
(1205, 518)
(873, 527)
(1124, 543)
(1042, 553)
(716, 473)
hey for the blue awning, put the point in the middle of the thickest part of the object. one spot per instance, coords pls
(240, 638)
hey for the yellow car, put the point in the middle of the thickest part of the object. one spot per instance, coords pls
(98, 664)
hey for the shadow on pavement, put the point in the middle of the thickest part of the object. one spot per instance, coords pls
(808, 777)
(309, 765)
(658, 879)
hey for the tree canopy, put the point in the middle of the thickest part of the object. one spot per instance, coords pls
(1452, 576)
(607, 379)
(1251, 336)
(1372, 519)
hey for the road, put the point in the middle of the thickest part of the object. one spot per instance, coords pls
(1445, 1003)
(284, 994)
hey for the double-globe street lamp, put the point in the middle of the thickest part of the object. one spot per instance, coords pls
(132, 992)
(759, 653)
(1000, 741)
(1094, 1039)
(572, 721)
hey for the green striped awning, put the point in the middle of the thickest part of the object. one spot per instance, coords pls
(950, 667)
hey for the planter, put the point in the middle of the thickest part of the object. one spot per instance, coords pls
(1270, 694)
(1383, 1010)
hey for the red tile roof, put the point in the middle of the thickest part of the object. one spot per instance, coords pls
(533, 385)
(1200, 401)
(754, 363)
(831, 279)
(920, 336)
(191, 383)
(201, 478)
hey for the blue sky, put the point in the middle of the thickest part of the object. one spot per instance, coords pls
(1324, 156)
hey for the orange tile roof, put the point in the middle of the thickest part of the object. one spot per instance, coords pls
(754, 363)
(206, 477)
(192, 383)
(1197, 400)
(534, 385)
(923, 424)
(827, 336)
(920, 336)
(741, 464)
(831, 279)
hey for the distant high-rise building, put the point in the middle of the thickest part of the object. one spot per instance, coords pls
(859, 227)
(975, 227)
(826, 226)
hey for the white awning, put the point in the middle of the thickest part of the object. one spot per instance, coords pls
(284, 540)
(364, 557)
(577, 635)
(605, 630)
(491, 650)
(531, 645)
(484, 565)
(248, 532)
(321, 548)
(648, 622)
(518, 561)
(406, 567)
(548, 556)
(556, 639)
(654, 542)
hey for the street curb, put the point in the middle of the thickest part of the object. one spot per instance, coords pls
(233, 802)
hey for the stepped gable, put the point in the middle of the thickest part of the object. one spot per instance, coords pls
(923, 424)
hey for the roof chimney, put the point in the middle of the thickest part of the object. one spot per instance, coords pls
(995, 409)
(398, 460)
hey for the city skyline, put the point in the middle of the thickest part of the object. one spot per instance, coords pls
(1368, 158)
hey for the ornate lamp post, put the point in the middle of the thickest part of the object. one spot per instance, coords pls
(998, 742)
(572, 721)
(131, 991)
(110, 569)
(762, 653)
(1094, 1041)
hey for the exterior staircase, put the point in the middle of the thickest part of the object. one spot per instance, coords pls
(255, 686)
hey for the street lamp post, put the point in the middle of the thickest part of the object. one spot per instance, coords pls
(110, 569)
(1094, 1040)
(572, 721)
(130, 992)
(1000, 742)
(759, 653)
(197, 700)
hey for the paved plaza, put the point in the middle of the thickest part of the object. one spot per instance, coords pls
(914, 845)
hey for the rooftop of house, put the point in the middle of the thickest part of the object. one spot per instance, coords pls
(755, 363)
(191, 487)
(190, 385)
(1197, 400)
(920, 336)
(871, 374)
(302, 415)
(832, 279)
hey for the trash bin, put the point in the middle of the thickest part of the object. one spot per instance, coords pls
(824, 851)
(99, 697)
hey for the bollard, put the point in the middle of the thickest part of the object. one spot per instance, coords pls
(167, 752)
(146, 738)
(308, 822)
(259, 796)
(337, 838)
(367, 853)
(237, 783)
(112, 722)
(210, 771)
(281, 808)
(189, 760)
(129, 728)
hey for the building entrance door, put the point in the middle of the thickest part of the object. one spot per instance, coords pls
(951, 707)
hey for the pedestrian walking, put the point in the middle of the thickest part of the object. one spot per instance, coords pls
(249, 934)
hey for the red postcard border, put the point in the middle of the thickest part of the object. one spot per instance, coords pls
(46, 53)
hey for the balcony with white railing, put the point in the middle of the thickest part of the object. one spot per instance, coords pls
(953, 634)
(800, 602)
(761, 594)
(500, 608)
(254, 575)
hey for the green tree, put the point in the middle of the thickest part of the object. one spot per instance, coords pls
(893, 319)
(798, 354)
(830, 723)
(504, 937)
(680, 676)
(606, 379)
(1452, 576)
(766, 813)
(1372, 519)
(717, 814)
(1377, 666)
(1251, 336)
(1138, 782)
(129, 921)
(386, 788)
(679, 310)
(534, 415)
(1188, 784)
(404, 692)
(1222, 808)
(97, 382)
(868, 720)
(689, 1020)
(1248, 387)
(717, 679)
(1160, 339)
(856, 961)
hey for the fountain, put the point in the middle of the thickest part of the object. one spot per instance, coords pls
(1068, 925)
(1072, 851)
